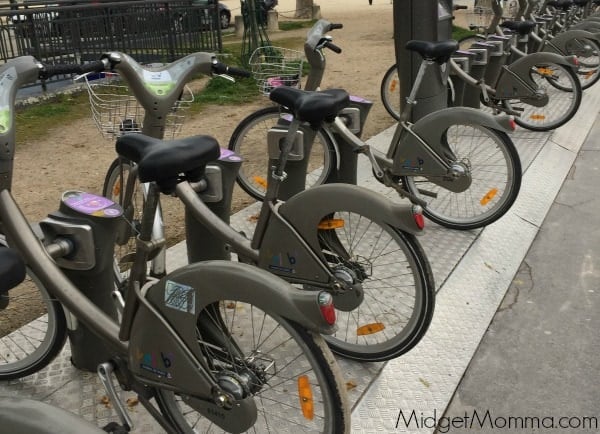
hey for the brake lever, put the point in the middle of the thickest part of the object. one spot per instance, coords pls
(226, 77)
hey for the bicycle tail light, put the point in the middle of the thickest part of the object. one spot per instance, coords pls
(512, 123)
(325, 301)
(417, 213)
(307, 403)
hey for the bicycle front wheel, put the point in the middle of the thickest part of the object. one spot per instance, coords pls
(390, 92)
(489, 157)
(563, 91)
(249, 140)
(289, 371)
(32, 329)
(114, 188)
(391, 274)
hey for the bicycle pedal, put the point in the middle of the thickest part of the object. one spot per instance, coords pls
(105, 372)
(427, 193)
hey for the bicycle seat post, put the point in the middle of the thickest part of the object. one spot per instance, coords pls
(411, 100)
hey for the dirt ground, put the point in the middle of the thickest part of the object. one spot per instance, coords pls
(75, 156)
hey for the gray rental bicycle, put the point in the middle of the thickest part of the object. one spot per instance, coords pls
(213, 347)
(457, 163)
(343, 239)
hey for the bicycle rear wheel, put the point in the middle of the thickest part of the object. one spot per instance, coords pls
(390, 92)
(249, 140)
(492, 161)
(587, 52)
(563, 90)
(391, 274)
(32, 329)
(289, 371)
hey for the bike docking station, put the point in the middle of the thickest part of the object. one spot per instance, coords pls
(472, 271)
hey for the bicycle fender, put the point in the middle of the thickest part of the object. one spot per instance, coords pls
(305, 210)
(559, 42)
(181, 296)
(431, 129)
(516, 81)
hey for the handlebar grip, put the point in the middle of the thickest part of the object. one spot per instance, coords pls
(459, 7)
(65, 69)
(333, 47)
(221, 68)
(238, 72)
(336, 26)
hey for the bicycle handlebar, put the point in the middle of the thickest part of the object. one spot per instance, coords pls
(221, 68)
(332, 47)
(48, 71)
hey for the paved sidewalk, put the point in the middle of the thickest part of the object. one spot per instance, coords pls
(539, 357)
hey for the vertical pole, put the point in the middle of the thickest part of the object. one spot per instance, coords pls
(429, 20)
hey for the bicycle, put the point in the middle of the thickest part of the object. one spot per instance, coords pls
(248, 138)
(184, 341)
(540, 89)
(567, 41)
(347, 246)
(434, 162)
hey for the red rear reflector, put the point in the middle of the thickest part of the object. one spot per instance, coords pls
(512, 124)
(325, 301)
(418, 216)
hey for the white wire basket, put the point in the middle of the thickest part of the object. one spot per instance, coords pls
(115, 110)
(276, 66)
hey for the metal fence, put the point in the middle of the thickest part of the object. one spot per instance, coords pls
(79, 31)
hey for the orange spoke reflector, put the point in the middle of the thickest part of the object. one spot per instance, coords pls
(306, 397)
(117, 189)
(489, 196)
(393, 85)
(537, 117)
(370, 329)
(545, 71)
(331, 224)
(260, 181)
(589, 73)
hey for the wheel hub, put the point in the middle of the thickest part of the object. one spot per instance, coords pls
(352, 294)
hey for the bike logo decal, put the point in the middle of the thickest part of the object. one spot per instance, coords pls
(155, 363)
(283, 262)
(180, 297)
(413, 165)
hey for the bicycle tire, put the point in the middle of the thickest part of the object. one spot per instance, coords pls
(33, 329)
(249, 140)
(303, 354)
(390, 92)
(392, 317)
(588, 59)
(483, 151)
(564, 98)
(114, 189)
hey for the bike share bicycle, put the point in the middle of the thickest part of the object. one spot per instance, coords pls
(342, 239)
(540, 89)
(458, 164)
(258, 135)
(217, 346)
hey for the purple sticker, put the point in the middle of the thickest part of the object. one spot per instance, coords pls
(355, 98)
(91, 204)
(227, 154)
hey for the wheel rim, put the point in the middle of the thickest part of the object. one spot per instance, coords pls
(384, 264)
(272, 343)
(562, 100)
(28, 326)
(492, 174)
(252, 147)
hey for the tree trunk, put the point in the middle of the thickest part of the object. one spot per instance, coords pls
(304, 8)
